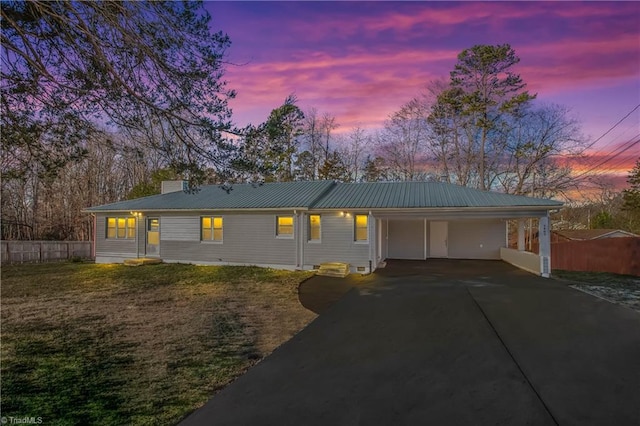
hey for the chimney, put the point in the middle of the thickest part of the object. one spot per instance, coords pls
(173, 186)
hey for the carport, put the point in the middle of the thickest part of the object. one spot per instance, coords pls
(461, 234)
(423, 220)
(437, 236)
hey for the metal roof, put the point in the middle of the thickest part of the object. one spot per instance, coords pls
(590, 234)
(328, 195)
(240, 196)
(406, 195)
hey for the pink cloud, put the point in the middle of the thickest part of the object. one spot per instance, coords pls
(362, 87)
(447, 17)
(360, 64)
(577, 63)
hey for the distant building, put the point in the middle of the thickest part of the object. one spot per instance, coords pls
(559, 236)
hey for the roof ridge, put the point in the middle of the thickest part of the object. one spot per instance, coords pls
(324, 193)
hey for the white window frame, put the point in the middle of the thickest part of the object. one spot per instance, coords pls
(279, 233)
(129, 227)
(355, 229)
(212, 229)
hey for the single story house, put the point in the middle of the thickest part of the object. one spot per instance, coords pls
(562, 235)
(300, 225)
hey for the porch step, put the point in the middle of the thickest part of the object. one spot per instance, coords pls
(142, 261)
(333, 269)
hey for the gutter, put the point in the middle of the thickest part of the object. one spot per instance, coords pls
(405, 210)
(392, 210)
(203, 209)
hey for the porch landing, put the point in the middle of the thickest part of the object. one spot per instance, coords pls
(333, 269)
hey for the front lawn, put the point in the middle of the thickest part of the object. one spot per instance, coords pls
(621, 289)
(606, 279)
(109, 344)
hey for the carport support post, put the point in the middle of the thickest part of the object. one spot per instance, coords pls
(520, 234)
(372, 240)
(544, 239)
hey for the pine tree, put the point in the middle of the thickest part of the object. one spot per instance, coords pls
(631, 195)
(487, 90)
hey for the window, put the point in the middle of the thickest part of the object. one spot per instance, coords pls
(361, 227)
(153, 231)
(121, 227)
(111, 227)
(285, 226)
(314, 227)
(212, 228)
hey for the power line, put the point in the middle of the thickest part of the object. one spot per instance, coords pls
(613, 166)
(608, 158)
(592, 159)
(620, 136)
(589, 161)
(614, 126)
(611, 157)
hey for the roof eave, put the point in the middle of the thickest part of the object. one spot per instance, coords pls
(439, 209)
(202, 209)
(337, 209)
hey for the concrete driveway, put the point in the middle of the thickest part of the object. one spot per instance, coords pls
(444, 342)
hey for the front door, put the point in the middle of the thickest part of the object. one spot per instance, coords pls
(153, 237)
(438, 234)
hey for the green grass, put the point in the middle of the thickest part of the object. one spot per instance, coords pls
(605, 279)
(108, 344)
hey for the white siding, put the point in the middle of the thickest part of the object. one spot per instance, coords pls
(179, 228)
(522, 259)
(406, 239)
(476, 239)
(248, 239)
(112, 247)
(337, 243)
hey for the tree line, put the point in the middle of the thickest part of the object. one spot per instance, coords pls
(101, 101)
(481, 128)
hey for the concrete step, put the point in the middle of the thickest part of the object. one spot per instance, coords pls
(333, 269)
(142, 261)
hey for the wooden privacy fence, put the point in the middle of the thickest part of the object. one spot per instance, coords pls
(616, 255)
(43, 251)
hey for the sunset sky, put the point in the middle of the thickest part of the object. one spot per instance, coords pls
(360, 61)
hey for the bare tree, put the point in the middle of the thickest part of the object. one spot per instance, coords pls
(317, 144)
(355, 144)
(535, 145)
(402, 143)
(312, 137)
(48, 206)
(328, 125)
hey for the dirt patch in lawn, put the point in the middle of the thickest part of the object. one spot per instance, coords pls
(107, 344)
(621, 289)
